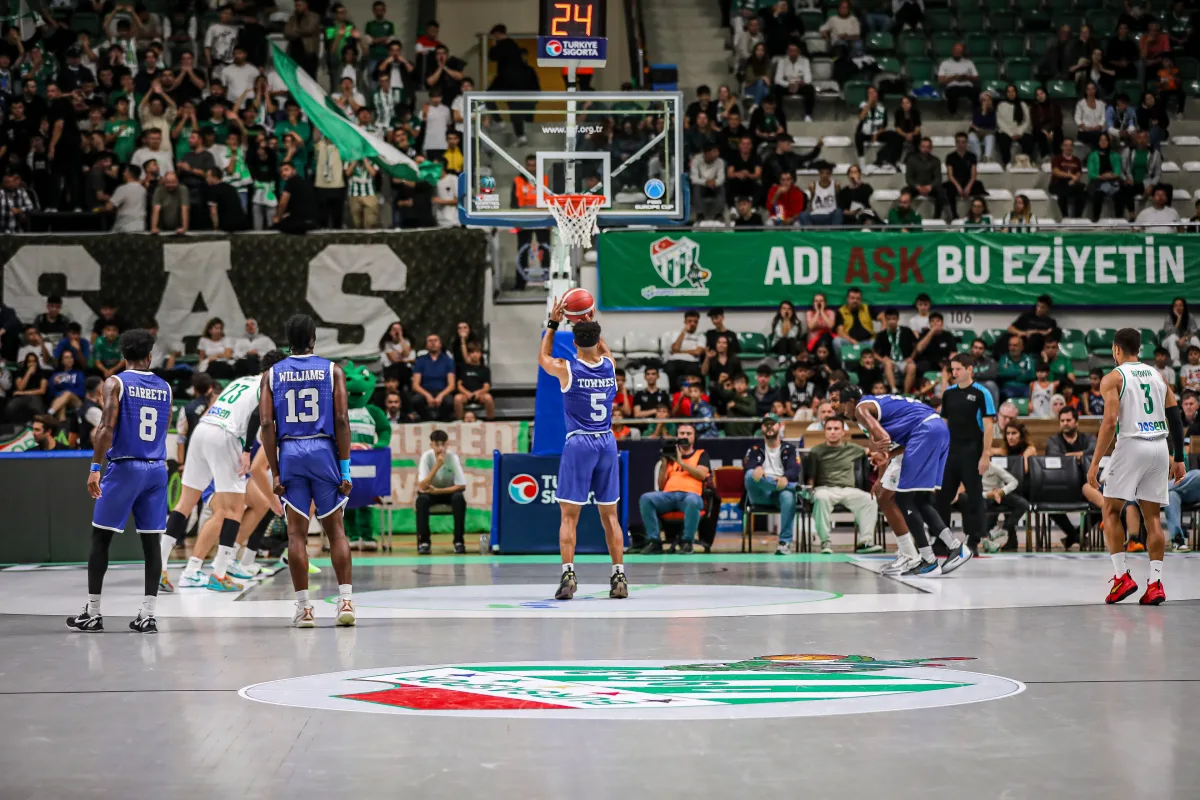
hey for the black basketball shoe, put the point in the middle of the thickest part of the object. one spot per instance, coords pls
(567, 586)
(144, 624)
(86, 622)
(618, 587)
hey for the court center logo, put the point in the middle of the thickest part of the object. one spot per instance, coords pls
(798, 685)
(677, 262)
(523, 489)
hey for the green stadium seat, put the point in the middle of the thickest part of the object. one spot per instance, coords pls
(1062, 90)
(1192, 88)
(1024, 6)
(1018, 69)
(1026, 89)
(1011, 45)
(812, 19)
(86, 22)
(965, 337)
(991, 335)
(888, 64)
(943, 43)
(1102, 20)
(1149, 342)
(1037, 18)
(1099, 341)
(852, 376)
(971, 23)
(938, 20)
(881, 43)
(919, 71)
(162, 7)
(1002, 22)
(1073, 344)
(852, 350)
(1040, 41)
(1133, 88)
(970, 6)
(912, 47)
(1059, 8)
(1022, 404)
(988, 68)
(855, 93)
(752, 344)
(979, 45)
(995, 87)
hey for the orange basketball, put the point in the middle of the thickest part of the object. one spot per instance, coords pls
(580, 305)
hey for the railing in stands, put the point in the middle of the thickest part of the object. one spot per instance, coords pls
(635, 33)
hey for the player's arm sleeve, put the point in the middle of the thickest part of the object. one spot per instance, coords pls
(252, 430)
(1175, 432)
(460, 477)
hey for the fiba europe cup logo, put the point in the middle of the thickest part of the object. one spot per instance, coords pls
(554, 48)
(523, 489)
(487, 184)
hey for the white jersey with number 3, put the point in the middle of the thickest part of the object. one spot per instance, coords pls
(233, 408)
(1142, 412)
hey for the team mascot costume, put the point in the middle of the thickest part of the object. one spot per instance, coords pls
(369, 428)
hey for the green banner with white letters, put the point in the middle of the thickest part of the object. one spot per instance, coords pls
(666, 270)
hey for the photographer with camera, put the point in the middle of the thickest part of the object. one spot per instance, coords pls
(681, 477)
(772, 471)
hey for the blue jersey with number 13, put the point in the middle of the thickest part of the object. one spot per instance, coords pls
(588, 398)
(302, 389)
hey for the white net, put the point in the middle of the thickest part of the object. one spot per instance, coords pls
(576, 216)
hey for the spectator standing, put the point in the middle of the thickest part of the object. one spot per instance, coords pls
(1066, 181)
(872, 125)
(239, 76)
(1153, 46)
(1122, 54)
(440, 480)
(193, 170)
(923, 174)
(793, 78)
(226, 212)
(831, 472)
(437, 122)
(171, 207)
(1062, 54)
(907, 13)
(330, 182)
(297, 210)
(219, 41)
(958, 79)
(681, 479)
(15, 204)
(379, 32)
(433, 381)
(154, 149)
(962, 169)
(445, 76)
(303, 34)
(781, 27)
(772, 471)
(1141, 172)
(363, 198)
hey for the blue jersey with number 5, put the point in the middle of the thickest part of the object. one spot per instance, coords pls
(143, 416)
(302, 389)
(588, 397)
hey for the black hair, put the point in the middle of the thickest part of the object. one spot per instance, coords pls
(763, 369)
(1161, 351)
(134, 170)
(202, 383)
(439, 435)
(136, 344)
(74, 327)
(846, 392)
(93, 383)
(1129, 340)
(1046, 299)
(703, 89)
(740, 376)
(587, 334)
(963, 360)
(691, 312)
(216, 171)
(920, 297)
(271, 358)
(54, 299)
(1096, 371)
(891, 312)
(937, 315)
(620, 373)
(1041, 366)
(301, 333)
(1069, 410)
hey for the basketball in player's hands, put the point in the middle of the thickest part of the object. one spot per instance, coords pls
(580, 305)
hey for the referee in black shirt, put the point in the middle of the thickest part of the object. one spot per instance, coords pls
(968, 409)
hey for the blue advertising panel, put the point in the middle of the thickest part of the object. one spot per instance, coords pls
(549, 424)
(371, 475)
(525, 515)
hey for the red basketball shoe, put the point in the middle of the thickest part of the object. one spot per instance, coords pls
(1122, 587)
(1154, 595)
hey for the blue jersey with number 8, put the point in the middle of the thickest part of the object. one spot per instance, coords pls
(143, 416)
(302, 389)
(588, 397)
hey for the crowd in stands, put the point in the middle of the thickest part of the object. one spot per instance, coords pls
(169, 117)
(51, 369)
(1032, 87)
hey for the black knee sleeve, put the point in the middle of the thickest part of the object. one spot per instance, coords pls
(153, 555)
(176, 525)
(98, 559)
(916, 525)
(229, 532)
(933, 520)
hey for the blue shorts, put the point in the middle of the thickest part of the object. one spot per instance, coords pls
(132, 485)
(308, 470)
(589, 471)
(925, 457)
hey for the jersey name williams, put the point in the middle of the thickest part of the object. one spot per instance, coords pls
(147, 393)
(302, 375)
(596, 383)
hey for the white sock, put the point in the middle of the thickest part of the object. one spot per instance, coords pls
(1118, 560)
(302, 597)
(568, 567)
(1155, 572)
(618, 568)
(193, 566)
(949, 539)
(94, 605)
(927, 554)
(223, 560)
(906, 545)
(345, 590)
(248, 557)
(148, 603)
(167, 543)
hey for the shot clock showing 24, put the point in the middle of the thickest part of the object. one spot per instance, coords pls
(573, 33)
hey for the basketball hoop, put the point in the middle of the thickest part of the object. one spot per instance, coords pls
(576, 216)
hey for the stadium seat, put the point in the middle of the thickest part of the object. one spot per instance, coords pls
(971, 23)
(979, 46)
(1102, 21)
(1024, 6)
(1011, 45)
(1073, 345)
(888, 65)
(86, 22)
(1099, 341)
(912, 47)
(995, 86)
(919, 72)
(943, 44)
(643, 345)
(812, 19)
(752, 344)
(1062, 90)
(1018, 69)
(1133, 88)
(1060, 8)
(970, 6)
(854, 93)
(881, 43)
(1002, 22)
(965, 337)
(1189, 68)
(990, 335)
(1026, 89)
(987, 67)
(938, 20)
(1149, 342)
(851, 350)
(1055, 487)
(1022, 404)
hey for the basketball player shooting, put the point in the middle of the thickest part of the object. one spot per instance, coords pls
(1141, 412)
(589, 466)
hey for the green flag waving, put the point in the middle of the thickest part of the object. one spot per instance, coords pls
(352, 141)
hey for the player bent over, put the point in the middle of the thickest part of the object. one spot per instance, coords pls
(132, 435)
(306, 436)
(589, 463)
(1140, 410)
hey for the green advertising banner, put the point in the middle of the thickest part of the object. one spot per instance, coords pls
(662, 270)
